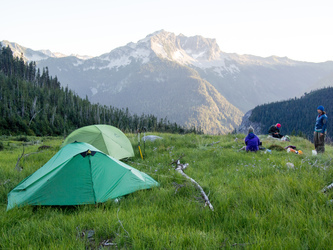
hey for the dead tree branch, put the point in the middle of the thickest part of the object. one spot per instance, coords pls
(17, 166)
(180, 168)
(178, 186)
(121, 223)
(211, 144)
(324, 190)
(176, 161)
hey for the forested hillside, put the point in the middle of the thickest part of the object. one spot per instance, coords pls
(33, 103)
(298, 115)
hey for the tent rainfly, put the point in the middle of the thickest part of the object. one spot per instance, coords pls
(106, 138)
(79, 174)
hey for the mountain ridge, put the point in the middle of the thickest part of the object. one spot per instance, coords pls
(244, 81)
(36, 55)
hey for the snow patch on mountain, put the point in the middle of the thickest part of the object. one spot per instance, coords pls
(195, 55)
(126, 57)
(37, 57)
(160, 79)
(84, 57)
(223, 70)
(159, 50)
(178, 55)
(49, 53)
(182, 57)
(89, 68)
(94, 91)
(118, 62)
(78, 63)
(219, 72)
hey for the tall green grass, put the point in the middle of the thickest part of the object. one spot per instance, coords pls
(259, 202)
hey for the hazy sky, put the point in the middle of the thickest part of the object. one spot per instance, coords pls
(298, 29)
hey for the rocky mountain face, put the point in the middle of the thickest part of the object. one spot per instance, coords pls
(189, 80)
(246, 124)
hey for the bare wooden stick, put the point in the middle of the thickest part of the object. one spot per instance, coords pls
(5, 182)
(17, 166)
(176, 161)
(324, 190)
(213, 143)
(121, 223)
(178, 186)
(180, 168)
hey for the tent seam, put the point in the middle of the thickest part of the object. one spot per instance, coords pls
(92, 182)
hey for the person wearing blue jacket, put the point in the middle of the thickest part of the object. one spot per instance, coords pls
(320, 130)
(252, 141)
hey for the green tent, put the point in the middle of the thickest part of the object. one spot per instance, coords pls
(106, 138)
(79, 174)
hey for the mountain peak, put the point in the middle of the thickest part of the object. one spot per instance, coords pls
(196, 51)
(156, 33)
(183, 49)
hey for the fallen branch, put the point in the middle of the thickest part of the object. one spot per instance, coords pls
(213, 143)
(176, 161)
(324, 190)
(17, 167)
(180, 168)
(108, 243)
(5, 182)
(178, 186)
(121, 223)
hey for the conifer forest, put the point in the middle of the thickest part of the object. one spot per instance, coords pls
(32, 102)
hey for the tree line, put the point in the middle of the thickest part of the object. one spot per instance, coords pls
(34, 103)
(298, 115)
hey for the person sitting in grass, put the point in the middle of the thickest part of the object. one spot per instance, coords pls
(274, 131)
(252, 141)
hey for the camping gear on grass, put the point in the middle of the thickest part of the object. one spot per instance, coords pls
(298, 152)
(285, 138)
(79, 174)
(106, 138)
(151, 137)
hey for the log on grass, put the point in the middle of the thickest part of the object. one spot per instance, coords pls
(180, 168)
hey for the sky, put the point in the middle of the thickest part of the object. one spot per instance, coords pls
(298, 29)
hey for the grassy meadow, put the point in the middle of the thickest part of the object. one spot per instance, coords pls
(259, 201)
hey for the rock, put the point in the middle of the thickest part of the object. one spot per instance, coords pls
(290, 165)
(246, 123)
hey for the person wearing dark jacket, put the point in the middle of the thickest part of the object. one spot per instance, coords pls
(274, 131)
(252, 141)
(320, 130)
